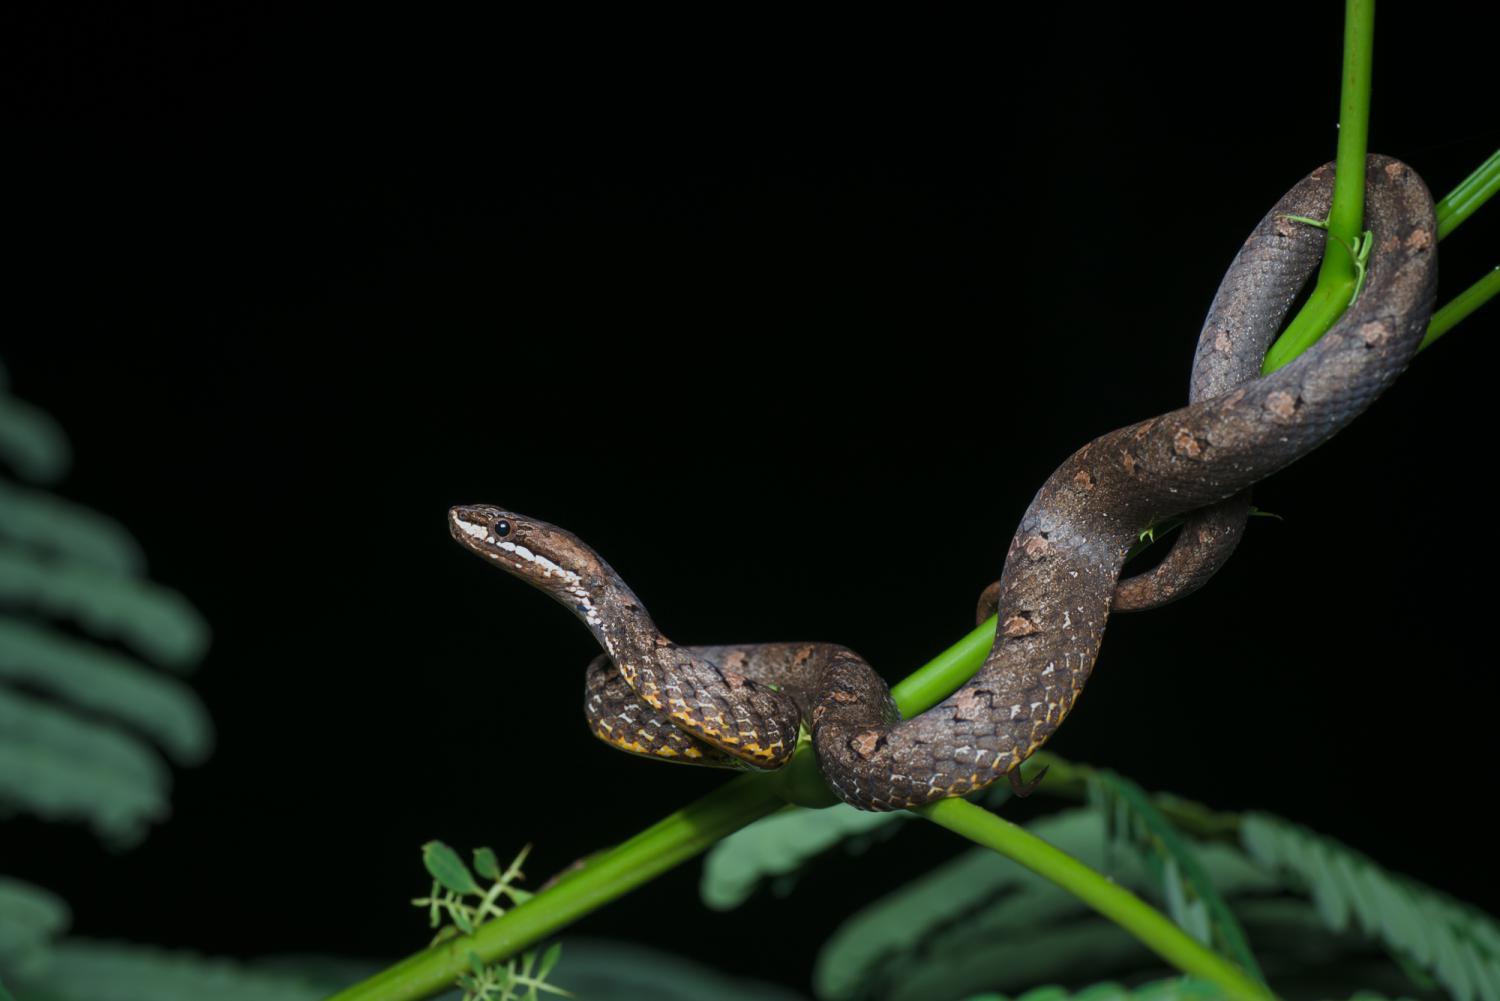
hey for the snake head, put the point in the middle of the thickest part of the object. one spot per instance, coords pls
(543, 555)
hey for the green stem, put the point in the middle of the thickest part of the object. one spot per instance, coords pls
(1146, 923)
(1472, 192)
(940, 677)
(1462, 305)
(1336, 275)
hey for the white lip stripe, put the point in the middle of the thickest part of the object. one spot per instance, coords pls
(469, 528)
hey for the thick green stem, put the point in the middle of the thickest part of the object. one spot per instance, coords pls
(1146, 923)
(1336, 276)
(663, 845)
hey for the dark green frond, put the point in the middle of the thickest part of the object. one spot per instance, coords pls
(155, 620)
(1456, 943)
(109, 684)
(53, 525)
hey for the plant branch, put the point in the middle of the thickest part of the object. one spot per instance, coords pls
(670, 841)
(1152, 928)
(1472, 192)
(1336, 277)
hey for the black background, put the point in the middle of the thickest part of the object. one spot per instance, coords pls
(787, 319)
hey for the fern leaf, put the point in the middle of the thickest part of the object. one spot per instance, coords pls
(1456, 943)
(155, 620)
(60, 766)
(1174, 989)
(780, 845)
(981, 920)
(777, 848)
(30, 918)
(599, 970)
(82, 970)
(1192, 901)
(109, 684)
(31, 443)
(61, 527)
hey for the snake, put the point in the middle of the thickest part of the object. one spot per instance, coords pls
(744, 705)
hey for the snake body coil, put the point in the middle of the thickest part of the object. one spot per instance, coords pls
(743, 704)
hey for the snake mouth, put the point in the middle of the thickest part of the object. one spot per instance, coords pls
(471, 525)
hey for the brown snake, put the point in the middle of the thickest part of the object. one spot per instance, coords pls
(742, 705)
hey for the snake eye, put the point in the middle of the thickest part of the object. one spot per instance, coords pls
(501, 528)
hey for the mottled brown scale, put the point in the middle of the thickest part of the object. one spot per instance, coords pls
(741, 705)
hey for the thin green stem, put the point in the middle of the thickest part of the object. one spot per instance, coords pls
(1472, 192)
(1146, 923)
(1336, 276)
(1462, 305)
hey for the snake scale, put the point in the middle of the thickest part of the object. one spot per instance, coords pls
(742, 705)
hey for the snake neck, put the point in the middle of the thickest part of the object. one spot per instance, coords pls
(616, 617)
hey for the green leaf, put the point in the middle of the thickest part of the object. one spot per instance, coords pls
(981, 921)
(447, 868)
(30, 918)
(549, 960)
(157, 621)
(776, 849)
(1193, 901)
(61, 528)
(486, 864)
(63, 767)
(1457, 944)
(108, 684)
(601, 970)
(82, 970)
(780, 845)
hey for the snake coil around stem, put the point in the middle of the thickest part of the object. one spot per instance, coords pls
(742, 705)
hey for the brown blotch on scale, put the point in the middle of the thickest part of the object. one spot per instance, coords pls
(1420, 239)
(1184, 443)
(1084, 480)
(1373, 333)
(971, 703)
(865, 744)
(1019, 625)
(1285, 226)
(1281, 404)
(1128, 461)
(1223, 343)
(843, 695)
(1394, 170)
(1035, 547)
(734, 680)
